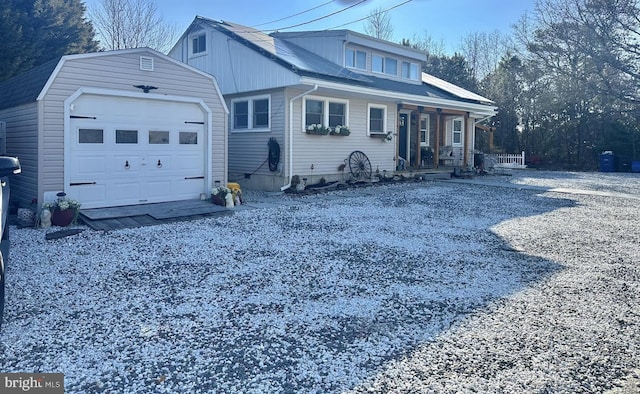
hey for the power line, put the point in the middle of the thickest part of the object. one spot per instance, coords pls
(270, 39)
(294, 15)
(320, 18)
(306, 33)
(368, 16)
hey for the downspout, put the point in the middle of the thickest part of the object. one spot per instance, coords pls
(315, 87)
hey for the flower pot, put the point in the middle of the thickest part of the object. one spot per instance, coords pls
(218, 200)
(62, 218)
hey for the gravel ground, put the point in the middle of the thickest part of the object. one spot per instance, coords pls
(420, 287)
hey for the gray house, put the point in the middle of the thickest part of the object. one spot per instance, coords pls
(292, 88)
(115, 128)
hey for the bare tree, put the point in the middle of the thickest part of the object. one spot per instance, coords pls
(483, 51)
(132, 24)
(378, 25)
(428, 44)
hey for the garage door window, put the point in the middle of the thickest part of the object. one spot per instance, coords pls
(188, 138)
(126, 136)
(158, 137)
(90, 136)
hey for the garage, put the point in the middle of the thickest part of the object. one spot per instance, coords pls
(115, 128)
(126, 151)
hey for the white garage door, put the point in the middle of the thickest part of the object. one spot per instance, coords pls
(126, 151)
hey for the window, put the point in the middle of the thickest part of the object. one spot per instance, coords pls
(188, 138)
(90, 136)
(390, 66)
(457, 131)
(356, 59)
(261, 113)
(241, 115)
(337, 113)
(314, 112)
(377, 119)
(199, 44)
(328, 112)
(158, 137)
(409, 70)
(386, 65)
(424, 130)
(377, 63)
(251, 114)
(126, 136)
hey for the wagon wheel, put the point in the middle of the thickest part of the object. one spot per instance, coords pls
(359, 165)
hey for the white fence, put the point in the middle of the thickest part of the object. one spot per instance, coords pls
(505, 160)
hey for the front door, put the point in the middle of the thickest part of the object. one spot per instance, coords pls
(403, 142)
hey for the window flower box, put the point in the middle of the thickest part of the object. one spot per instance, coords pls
(317, 129)
(340, 130)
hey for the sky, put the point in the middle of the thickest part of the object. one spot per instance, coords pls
(445, 21)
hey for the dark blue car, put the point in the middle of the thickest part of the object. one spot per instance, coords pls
(8, 166)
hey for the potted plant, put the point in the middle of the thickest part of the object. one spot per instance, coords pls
(64, 211)
(219, 195)
(340, 130)
(317, 129)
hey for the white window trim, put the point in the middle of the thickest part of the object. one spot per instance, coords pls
(427, 130)
(355, 59)
(250, 126)
(385, 114)
(373, 55)
(190, 44)
(411, 65)
(395, 72)
(384, 72)
(453, 132)
(325, 114)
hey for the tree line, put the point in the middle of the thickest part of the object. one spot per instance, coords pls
(566, 80)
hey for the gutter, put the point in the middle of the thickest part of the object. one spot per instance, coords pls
(315, 87)
(483, 119)
(481, 109)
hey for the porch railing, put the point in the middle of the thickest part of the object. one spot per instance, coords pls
(506, 160)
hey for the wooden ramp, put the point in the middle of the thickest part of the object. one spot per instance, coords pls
(113, 218)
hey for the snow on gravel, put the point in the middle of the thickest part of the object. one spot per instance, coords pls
(416, 287)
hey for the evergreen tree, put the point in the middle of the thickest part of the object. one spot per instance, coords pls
(453, 69)
(36, 31)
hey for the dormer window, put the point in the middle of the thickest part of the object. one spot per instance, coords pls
(377, 64)
(390, 66)
(199, 44)
(384, 65)
(409, 70)
(355, 59)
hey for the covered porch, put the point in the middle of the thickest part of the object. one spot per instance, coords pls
(433, 138)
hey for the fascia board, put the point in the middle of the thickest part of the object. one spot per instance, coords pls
(404, 98)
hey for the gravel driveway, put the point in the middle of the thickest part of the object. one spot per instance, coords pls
(420, 287)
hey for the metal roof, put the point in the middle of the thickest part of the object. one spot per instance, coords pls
(288, 54)
(304, 62)
(453, 89)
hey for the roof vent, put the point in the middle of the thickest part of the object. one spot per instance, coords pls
(146, 63)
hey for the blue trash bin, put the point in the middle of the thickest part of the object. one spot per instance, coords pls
(607, 162)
